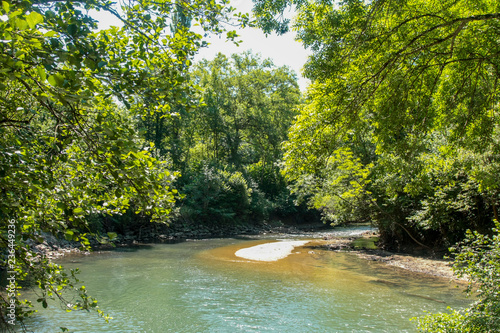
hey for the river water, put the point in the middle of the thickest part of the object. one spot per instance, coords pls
(201, 286)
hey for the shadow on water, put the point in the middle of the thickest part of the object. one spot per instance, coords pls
(130, 248)
(423, 297)
(386, 283)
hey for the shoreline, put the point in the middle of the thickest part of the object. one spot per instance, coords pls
(419, 264)
(54, 249)
(276, 250)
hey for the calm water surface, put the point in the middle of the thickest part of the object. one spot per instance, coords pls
(200, 286)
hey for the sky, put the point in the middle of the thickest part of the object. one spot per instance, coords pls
(283, 50)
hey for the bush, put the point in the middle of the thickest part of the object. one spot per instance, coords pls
(477, 258)
(215, 195)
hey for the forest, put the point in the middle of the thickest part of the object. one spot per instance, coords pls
(105, 131)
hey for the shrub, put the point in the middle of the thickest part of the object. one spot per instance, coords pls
(478, 258)
(215, 195)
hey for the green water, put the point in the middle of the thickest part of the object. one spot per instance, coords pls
(200, 286)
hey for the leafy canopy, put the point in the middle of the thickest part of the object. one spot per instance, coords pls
(227, 148)
(401, 126)
(403, 86)
(69, 99)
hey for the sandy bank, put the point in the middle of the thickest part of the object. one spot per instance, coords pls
(269, 251)
(417, 264)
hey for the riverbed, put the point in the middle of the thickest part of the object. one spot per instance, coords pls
(202, 286)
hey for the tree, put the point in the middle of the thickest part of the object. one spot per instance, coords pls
(249, 106)
(234, 139)
(404, 86)
(68, 99)
(403, 114)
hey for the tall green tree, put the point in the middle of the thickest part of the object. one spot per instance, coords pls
(248, 105)
(409, 90)
(402, 126)
(69, 95)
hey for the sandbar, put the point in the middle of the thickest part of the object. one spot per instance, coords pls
(270, 251)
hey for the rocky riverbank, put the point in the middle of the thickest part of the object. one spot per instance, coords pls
(364, 246)
(55, 247)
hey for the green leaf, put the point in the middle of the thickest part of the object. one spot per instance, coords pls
(6, 7)
(78, 211)
(21, 24)
(33, 19)
(72, 29)
(41, 73)
(112, 235)
(50, 34)
(69, 234)
(56, 80)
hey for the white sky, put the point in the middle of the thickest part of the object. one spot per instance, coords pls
(283, 50)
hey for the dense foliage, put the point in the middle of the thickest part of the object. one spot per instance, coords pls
(401, 123)
(477, 258)
(69, 149)
(401, 128)
(227, 148)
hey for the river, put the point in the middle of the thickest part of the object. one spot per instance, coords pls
(201, 286)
